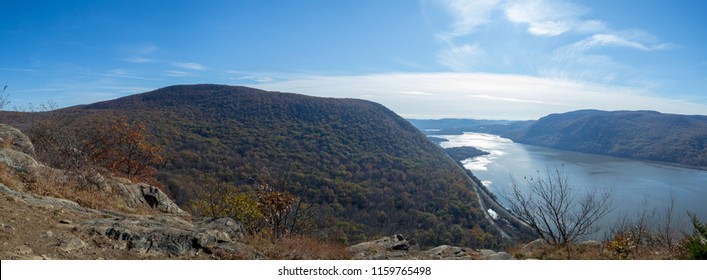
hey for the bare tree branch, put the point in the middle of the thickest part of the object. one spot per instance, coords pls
(552, 207)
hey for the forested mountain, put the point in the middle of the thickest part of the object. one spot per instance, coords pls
(643, 135)
(368, 171)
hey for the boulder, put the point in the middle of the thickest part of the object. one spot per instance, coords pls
(446, 252)
(12, 138)
(384, 248)
(19, 161)
(225, 229)
(137, 195)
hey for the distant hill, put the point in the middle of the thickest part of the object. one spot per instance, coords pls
(370, 172)
(645, 135)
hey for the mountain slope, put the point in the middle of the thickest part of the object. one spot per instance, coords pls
(369, 171)
(645, 135)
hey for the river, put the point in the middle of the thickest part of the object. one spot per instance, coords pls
(638, 186)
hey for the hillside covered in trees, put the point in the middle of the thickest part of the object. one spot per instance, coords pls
(360, 170)
(644, 135)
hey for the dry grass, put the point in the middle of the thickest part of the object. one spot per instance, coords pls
(55, 183)
(616, 249)
(293, 247)
(10, 178)
(559, 252)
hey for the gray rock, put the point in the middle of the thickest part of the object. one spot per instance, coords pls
(486, 252)
(137, 195)
(7, 227)
(446, 252)
(223, 229)
(19, 161)
(70, 244)
(146, 234)
(46, 234)
(498, 256)
(13, 138)
(44, 201)
(398, 248)
(380, 249)
(168, 234)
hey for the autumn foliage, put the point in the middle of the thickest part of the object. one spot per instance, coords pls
(121, 148)
(118, 146)
(264, 210)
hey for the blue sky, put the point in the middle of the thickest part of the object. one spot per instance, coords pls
(490, 59)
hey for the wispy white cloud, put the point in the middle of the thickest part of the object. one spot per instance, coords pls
(189, 66)
(176, 73)
(137, 53)
(461, 58)
(551, 17)
(239, 76)
(122, 73)
(619, 40)
(588, 60)
(511, 99)
(467, 46)
(468, 16)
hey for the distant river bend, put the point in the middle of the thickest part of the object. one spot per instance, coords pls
(639, 186)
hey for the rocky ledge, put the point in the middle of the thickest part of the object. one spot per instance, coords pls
(397, 247)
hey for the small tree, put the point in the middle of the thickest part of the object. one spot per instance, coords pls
(221, 200)
(121, 147)
(264, 210)
(552, 208)
(696, 245)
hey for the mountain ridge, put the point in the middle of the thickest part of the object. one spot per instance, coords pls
(369, 172)
(643, 135)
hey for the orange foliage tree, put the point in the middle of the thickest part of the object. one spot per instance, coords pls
(121, 147)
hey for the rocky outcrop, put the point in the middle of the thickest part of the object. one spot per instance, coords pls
(142, 194)
(44, 201)
(12, 138)
(168, 232)
(398, 248)
(446, 252)
(169, 235)
(17, 153)
(19, 161)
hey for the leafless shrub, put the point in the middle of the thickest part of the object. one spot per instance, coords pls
(552, 207)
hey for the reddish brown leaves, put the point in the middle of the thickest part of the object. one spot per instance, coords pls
(121, 147)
